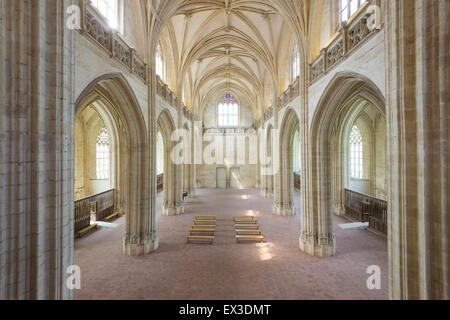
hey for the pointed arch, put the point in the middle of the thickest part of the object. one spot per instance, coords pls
(113, 97)
(173, 182)
(343, 100)
(284, 180)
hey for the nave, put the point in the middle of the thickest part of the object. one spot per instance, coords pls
(227, 270)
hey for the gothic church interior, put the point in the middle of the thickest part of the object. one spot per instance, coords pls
(305, 141)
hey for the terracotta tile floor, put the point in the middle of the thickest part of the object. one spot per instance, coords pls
(227, 270)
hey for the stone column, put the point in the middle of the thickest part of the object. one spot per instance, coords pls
(317, 233)
(36, 149)
(284, 177)
(417, 61)
(174, 204)
(283, 203)
(192, 178)
(276, 156)
(140, 235)
(264, 146)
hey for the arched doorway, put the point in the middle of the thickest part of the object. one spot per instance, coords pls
(159, 162)
(187, 165)
(284, 188)
(343, 103)
(268, 162)
(112, 99)
(173, 202)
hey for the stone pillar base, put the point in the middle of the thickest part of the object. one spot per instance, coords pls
(284, 211)
(323, 250)
(178, 211)
(138, 246)
(338, 211)
(266, 194)
(191, 194)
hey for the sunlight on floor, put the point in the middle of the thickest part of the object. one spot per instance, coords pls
(264, 250)
(252, 213)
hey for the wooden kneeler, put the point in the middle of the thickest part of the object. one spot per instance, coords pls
(202, 232)
(246, 221)
(241, 238)
(114, 215)
(244, 218)
(249, 232)
(206, 226)
(87, 230)
(247, 226)
(213, 218)
(200, 239)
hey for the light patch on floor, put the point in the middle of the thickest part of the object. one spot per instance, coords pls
(107, 225)
(354, 226)
(265, 251)
(252, 213)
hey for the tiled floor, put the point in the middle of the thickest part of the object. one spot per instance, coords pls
(227, 270)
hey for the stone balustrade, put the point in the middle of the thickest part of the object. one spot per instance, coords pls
(291, 93)
(96, 28)
(347, 40)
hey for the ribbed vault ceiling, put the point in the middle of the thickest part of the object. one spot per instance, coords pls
(217, 45)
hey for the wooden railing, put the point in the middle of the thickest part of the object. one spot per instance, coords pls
(349, 38)
(297, 181)
(160, 182)
(361, 207)
(101, 205)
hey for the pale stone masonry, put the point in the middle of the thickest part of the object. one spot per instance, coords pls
(391, 81)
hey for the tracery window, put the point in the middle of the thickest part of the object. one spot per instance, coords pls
(228, 112)
(348, 8)
(295, 63)
(102, 155)
(110, 9)
(356, 154)
(159, 63)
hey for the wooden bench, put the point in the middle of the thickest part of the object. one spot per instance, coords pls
(200, 239)
(208, 226)
(213, 218)
(205, 222)
(245, 221)
(247, 226)
(250, 238)
(249, 232)
(202, 231)
(87, 230)
(114, 215)
(244, 218)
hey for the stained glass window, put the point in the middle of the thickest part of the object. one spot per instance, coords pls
(228, 112)
(103, 155)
